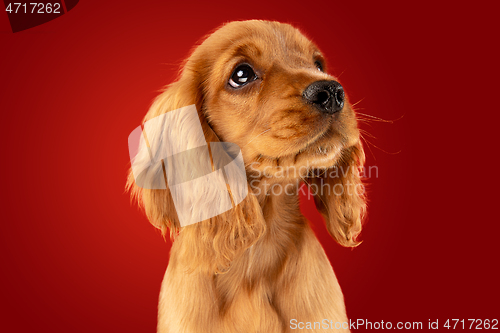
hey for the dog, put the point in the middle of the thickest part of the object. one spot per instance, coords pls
(258, 267)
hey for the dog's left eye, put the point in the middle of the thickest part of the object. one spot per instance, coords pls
(318, 65)
(242, 75)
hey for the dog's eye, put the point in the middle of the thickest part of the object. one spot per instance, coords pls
(242, 75)
(318, 65)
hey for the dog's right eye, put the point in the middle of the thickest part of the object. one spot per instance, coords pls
(242, 75)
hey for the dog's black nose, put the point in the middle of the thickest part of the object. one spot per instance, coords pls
(327, 96)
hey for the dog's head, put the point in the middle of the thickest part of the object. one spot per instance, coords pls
(265, 87)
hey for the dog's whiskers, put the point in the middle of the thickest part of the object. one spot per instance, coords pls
(368, 145)
(367, 133)
(256, 137)
(285, 152)
(354, 104)
(373, 118)
(375, 146)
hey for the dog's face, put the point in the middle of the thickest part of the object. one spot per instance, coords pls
(265, 88)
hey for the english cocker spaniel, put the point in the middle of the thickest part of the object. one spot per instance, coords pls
(258, 266)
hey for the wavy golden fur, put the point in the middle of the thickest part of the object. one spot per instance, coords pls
(259, 265)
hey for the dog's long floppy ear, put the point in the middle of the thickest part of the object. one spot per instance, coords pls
(157, 203)
(212, 243)
(340, 196)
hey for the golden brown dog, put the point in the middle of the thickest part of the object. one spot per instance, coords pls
(259, 267)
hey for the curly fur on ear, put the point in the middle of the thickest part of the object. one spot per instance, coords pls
(212, 244)
(341, 198)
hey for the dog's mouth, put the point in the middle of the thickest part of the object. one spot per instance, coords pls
(321, 151)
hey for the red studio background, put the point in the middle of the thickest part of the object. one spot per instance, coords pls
(76, 256)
